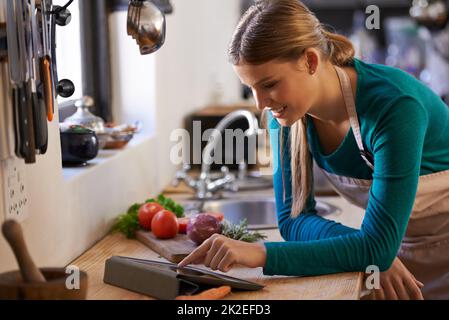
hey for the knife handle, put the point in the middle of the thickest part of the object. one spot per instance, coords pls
(16, 117)
(30, 149)
(48, 87)
(26, 142)
(40, 122)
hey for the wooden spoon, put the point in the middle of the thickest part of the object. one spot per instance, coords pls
(14, 235)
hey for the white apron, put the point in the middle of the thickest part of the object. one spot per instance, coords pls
(425, 247)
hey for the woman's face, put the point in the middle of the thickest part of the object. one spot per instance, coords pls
(286, 88)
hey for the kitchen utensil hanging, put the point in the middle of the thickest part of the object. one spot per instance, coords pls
(146, 24)
(38, 99)
(18, 36)
(30, 37)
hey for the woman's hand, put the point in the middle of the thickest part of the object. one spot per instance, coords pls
(397, 283)
(220, 252)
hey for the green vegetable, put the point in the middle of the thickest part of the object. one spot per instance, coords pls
(169, 204)
(240, 231)
(128, 223)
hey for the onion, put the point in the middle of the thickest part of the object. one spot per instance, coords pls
(201, 227)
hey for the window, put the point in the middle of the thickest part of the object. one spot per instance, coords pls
(68, 50)
(96, 54)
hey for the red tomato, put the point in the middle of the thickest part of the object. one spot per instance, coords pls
(183, 222)
(218, 215)
(165, 225)
(146, 213)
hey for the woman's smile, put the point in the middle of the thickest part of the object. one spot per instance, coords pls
(278, 112)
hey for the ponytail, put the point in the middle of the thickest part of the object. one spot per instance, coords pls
(341, 51)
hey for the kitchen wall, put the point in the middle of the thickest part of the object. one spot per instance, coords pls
(70, 212)
(197, 58)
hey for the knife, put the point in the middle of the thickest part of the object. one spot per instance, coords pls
(46, 60)
(22, 109)
(13, 64)
(37, 94)
(28, 147)
(54, 74)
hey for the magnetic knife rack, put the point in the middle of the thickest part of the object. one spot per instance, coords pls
(27, 45)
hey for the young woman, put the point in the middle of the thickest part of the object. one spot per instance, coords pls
(377, 133)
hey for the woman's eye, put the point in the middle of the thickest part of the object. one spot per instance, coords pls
(269, 85)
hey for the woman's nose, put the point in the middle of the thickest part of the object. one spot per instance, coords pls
(261, 100)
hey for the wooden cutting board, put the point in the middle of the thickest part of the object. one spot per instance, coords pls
(174, 250)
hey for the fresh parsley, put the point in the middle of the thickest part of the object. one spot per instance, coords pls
(128, 223)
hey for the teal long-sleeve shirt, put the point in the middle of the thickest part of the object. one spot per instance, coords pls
(405, 126)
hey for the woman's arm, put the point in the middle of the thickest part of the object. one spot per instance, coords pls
(397, 146)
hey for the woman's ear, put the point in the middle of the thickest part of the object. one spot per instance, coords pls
(312, 58)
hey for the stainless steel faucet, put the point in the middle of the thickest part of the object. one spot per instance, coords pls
(204, 186)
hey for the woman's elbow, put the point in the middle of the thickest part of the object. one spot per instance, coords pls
(301, 228)
(286, 230)
(384, 260)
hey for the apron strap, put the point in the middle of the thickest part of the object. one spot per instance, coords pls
(348, 97)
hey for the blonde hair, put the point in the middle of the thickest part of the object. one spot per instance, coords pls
(283, 30)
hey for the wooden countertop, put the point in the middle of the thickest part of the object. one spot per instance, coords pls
(345, 286)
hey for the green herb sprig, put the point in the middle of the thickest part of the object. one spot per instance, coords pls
(240, 231)
(128, 223)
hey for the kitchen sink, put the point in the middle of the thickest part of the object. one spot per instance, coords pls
(260, 213)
